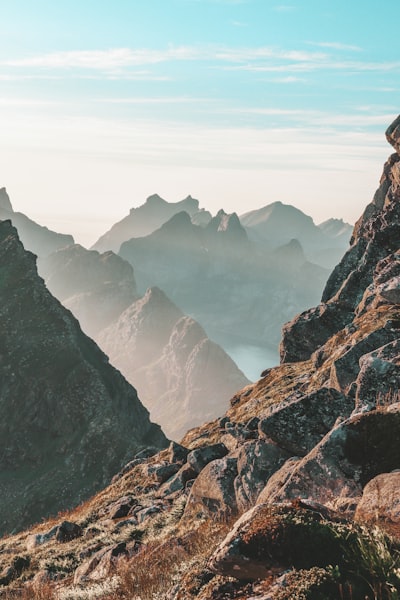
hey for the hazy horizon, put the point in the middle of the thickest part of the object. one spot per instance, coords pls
(239, 103)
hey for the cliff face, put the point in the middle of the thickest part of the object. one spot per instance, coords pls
(68, 420)
(305, 460)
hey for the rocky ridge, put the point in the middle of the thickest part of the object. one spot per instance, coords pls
(278, 499)
(36, 238)
(69, 420)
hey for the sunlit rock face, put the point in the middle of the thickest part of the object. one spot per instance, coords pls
(68, 419)
(39, 240)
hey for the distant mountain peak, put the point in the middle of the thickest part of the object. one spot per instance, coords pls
(5, 203)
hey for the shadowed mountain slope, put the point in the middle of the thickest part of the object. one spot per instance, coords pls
(68, 419)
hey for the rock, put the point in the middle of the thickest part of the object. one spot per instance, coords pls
(380, 501)
(213, 491)
(267, 540)
(177, 453)
(378, 377)
(18, 565)
(161, 472)
(178, 482)
(307, 332)
(100, 564)
(393, 134)
(200, 457)
(145, 513)
(336, 470)
(344, 370)
(257, 461)
(67, 531)
(299, 424)
(121, 507)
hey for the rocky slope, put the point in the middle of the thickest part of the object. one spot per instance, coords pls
(146, 218)
(68, 419)
(182, 377)
(294, 493)
(39, 240)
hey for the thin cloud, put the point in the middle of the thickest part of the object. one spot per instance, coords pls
(336, 46)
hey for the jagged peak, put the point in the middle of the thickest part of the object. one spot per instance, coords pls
(5, 203)
(393, 134)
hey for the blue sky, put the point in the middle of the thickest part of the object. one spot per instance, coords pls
(237, 102)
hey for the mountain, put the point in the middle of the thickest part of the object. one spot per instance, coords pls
(68, 419)
(145, 219)
(337, 229)
(95, 287)
(294, 493)
(39, 240)
(277, 223)
(182, 377)
(237, 290)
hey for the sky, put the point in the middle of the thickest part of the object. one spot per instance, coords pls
(239, 103)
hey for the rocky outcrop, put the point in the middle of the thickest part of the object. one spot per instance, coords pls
(68, 419)
(39, 240)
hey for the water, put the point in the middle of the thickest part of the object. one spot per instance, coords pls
(252, 360)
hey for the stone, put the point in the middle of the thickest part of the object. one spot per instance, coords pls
(298, 424)
(393, 134)
(257, 461)
(100, 564)
(213, 491)
(200, 457)
(121, 507)
(347, 458)
(68, 531)
(178, 482)
(378, 377)
(268, 540)
(345, 369)
(380, 501)
(177, 453)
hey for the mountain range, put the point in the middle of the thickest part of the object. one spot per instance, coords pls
(292, 493)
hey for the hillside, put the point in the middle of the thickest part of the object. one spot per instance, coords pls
(68, 419)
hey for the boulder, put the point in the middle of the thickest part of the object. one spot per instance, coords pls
(336, 470)
(121, 507)
(213, 491)
(178, 481)
(100, 564)
(257, 461)
(380, 501)
(298, 424)
(378, 377)
(200, 457)
(345, 369)
(270, 539)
